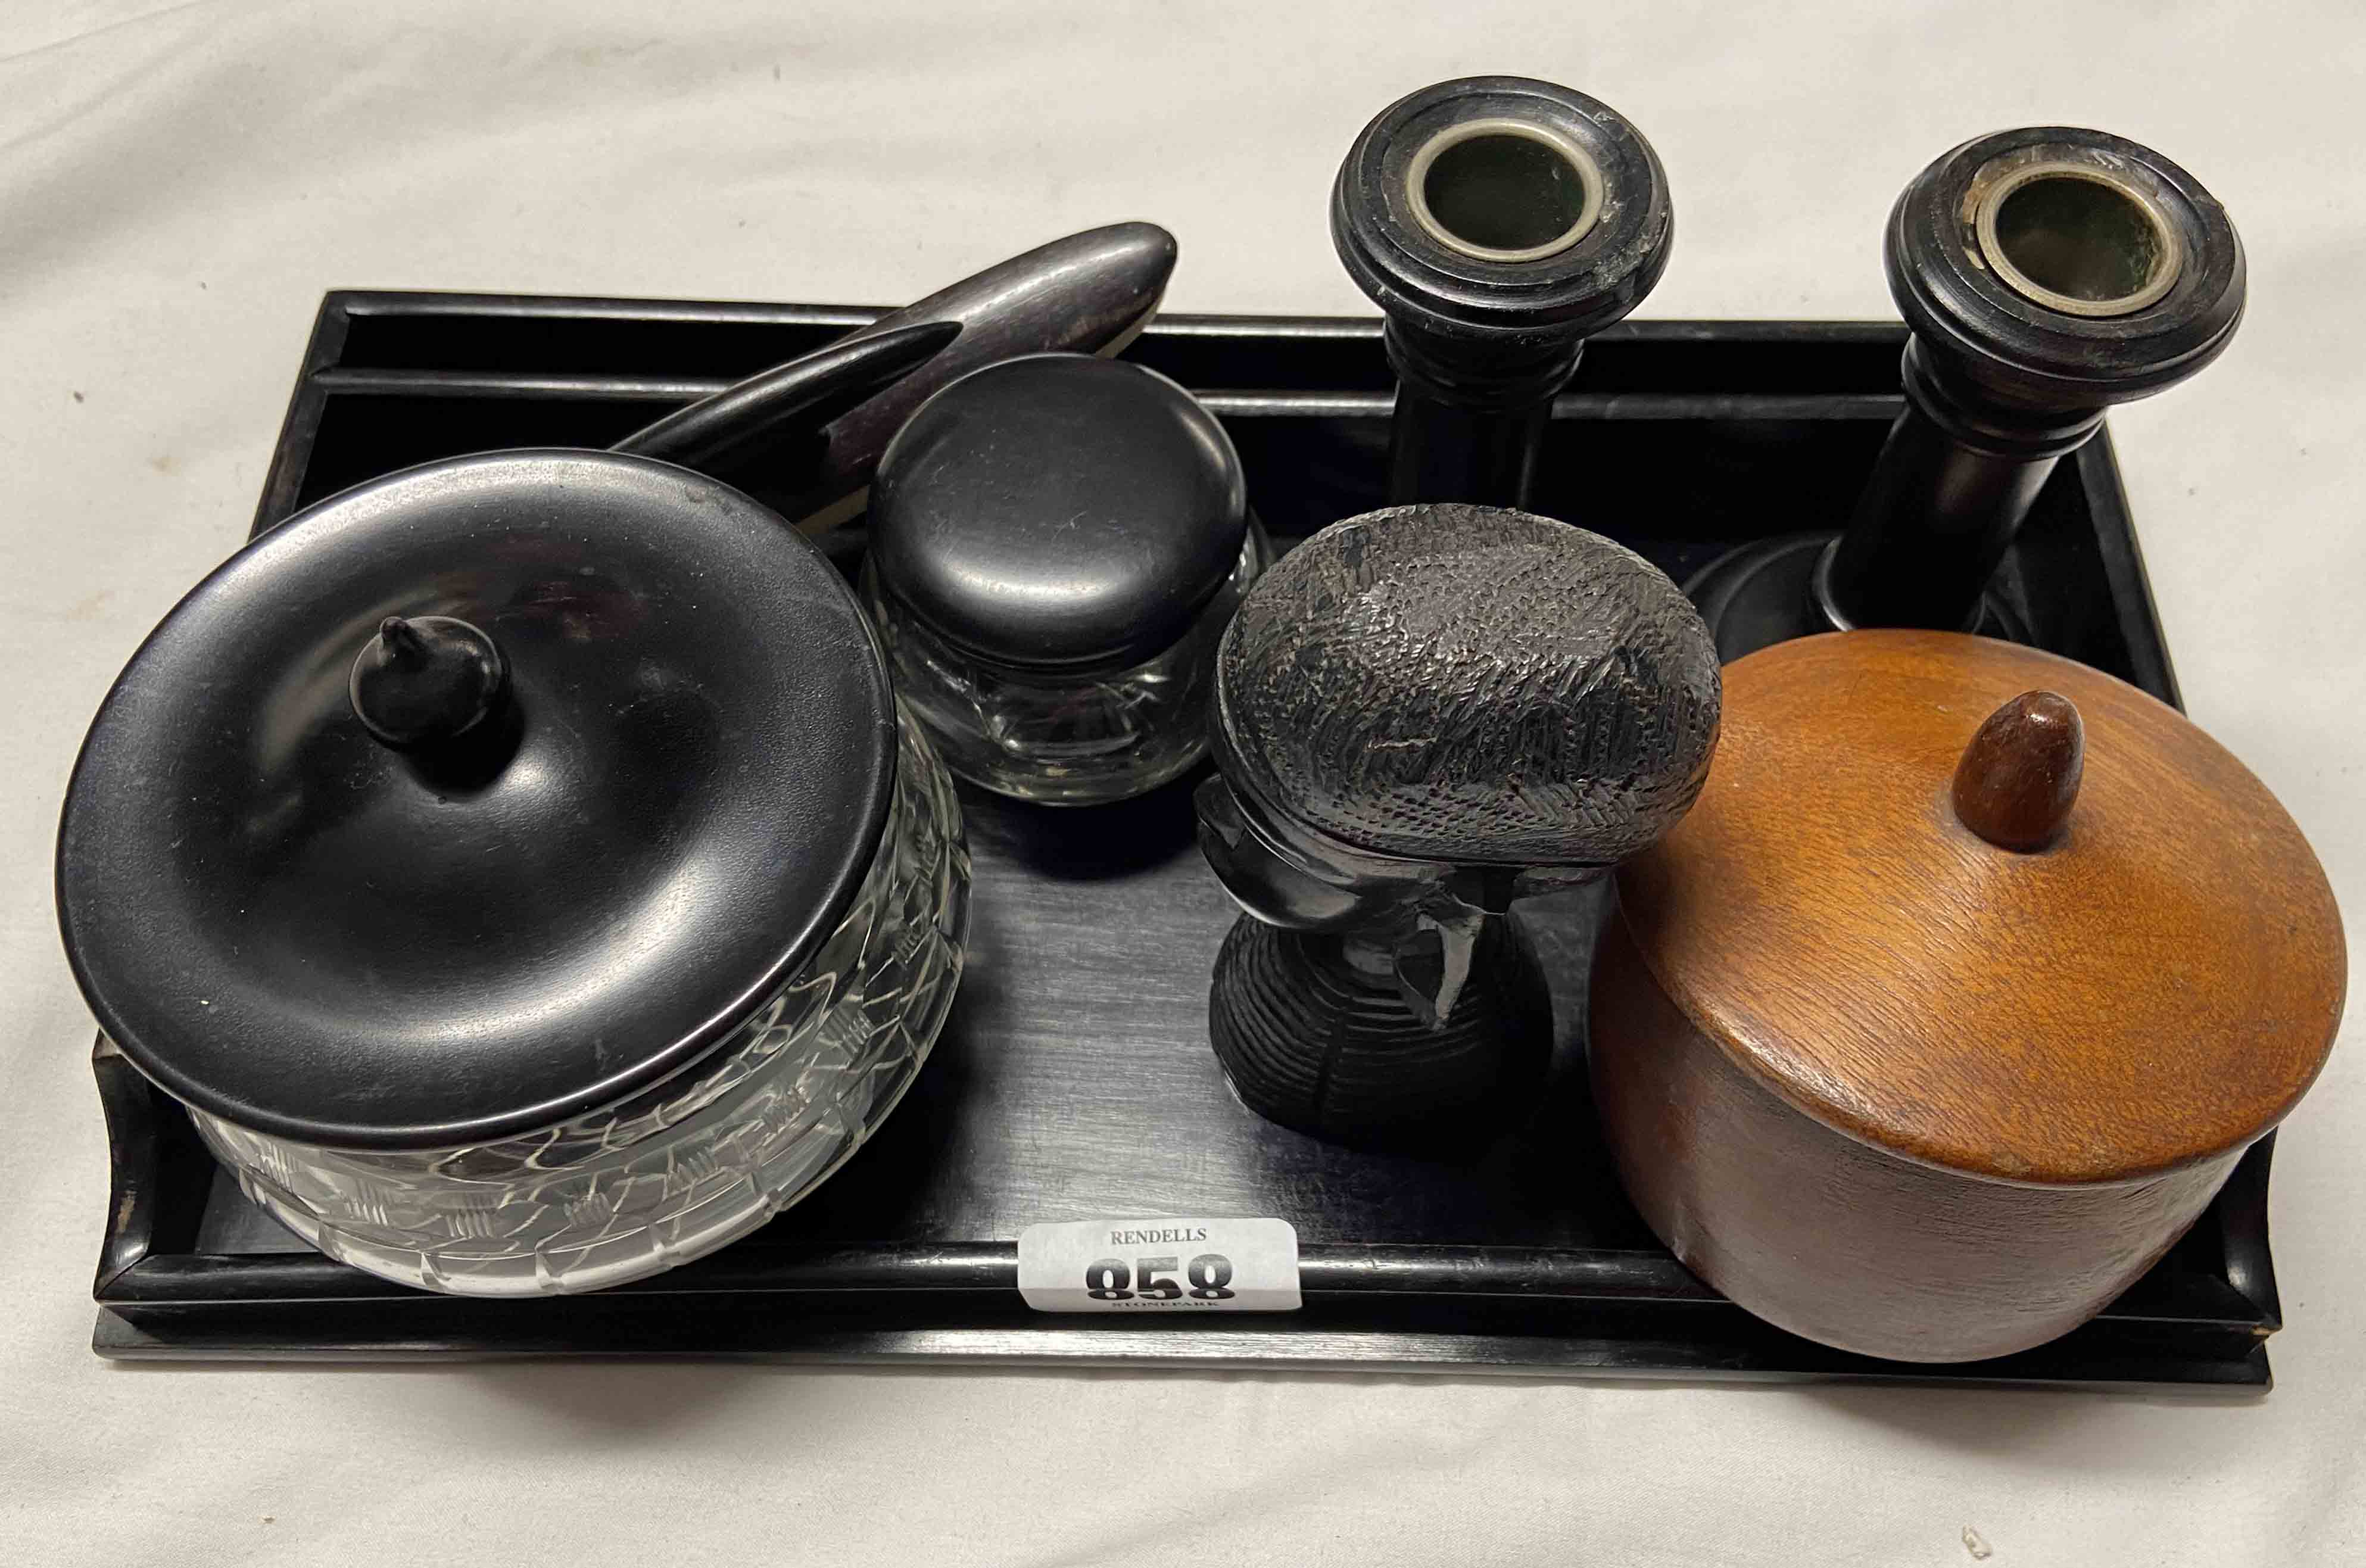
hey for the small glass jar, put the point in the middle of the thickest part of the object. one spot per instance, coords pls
(1057, 544)
(1073, 739)
(687, 1166)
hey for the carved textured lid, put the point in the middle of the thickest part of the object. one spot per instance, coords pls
(2158, 983)
(1469, 684)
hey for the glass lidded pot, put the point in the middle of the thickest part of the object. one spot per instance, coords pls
(520, 869)
(1057, 544)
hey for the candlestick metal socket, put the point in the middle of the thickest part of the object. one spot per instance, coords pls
(1498, 221)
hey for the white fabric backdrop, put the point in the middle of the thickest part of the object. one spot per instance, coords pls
(179, 184)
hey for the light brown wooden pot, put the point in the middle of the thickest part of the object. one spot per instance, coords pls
(1926, 1047)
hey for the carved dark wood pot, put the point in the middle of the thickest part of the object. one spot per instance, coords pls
(1930, 1027)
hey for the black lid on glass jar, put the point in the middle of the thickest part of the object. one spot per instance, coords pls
(628, 756)
(1058, 514)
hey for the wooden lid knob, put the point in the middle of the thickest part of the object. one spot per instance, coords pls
(2020, 775)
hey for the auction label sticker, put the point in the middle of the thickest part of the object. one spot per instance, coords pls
(1160, 1266)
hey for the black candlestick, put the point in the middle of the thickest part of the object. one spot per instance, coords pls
(1499, 221)
(2045, 273)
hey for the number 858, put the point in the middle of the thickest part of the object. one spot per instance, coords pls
(1152, 1279)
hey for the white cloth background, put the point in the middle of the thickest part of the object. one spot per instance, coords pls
(179, 183)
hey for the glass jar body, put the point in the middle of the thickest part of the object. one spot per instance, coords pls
(688, 1166)
(1061, 740)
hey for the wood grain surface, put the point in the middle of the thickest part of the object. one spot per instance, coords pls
(1848, 1244)
(2153, 991)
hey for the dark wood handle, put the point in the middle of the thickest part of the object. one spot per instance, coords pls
(2020, 775)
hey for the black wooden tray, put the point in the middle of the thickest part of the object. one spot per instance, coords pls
(1074, 1079)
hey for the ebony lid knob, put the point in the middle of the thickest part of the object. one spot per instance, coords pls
(1059, 513)
(425, 679)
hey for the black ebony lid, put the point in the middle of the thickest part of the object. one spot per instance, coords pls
(1059, 513)
(631, 751)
